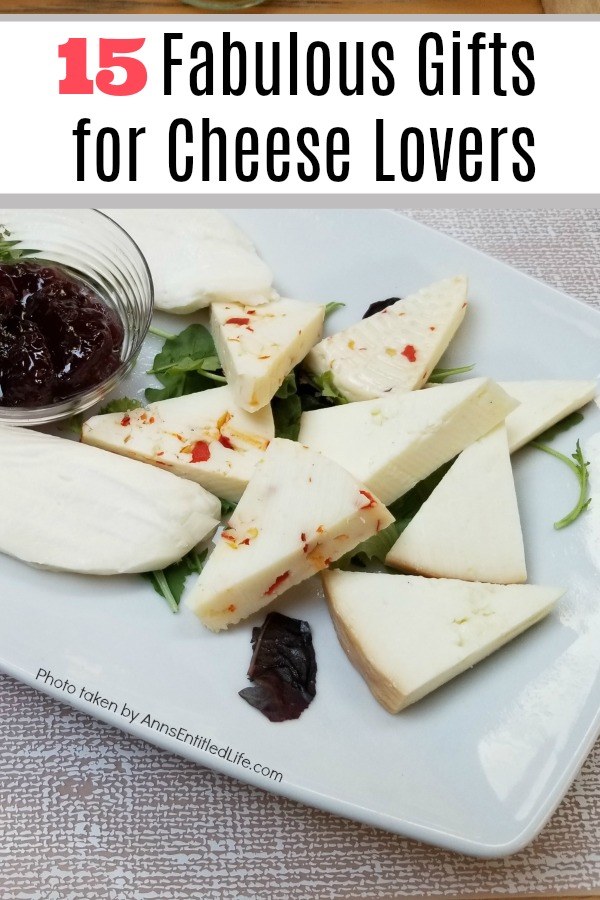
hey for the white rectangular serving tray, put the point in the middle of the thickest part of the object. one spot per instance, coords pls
(477, 767)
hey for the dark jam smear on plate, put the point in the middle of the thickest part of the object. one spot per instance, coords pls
(283, 668)
(57, 336)
(379, 305)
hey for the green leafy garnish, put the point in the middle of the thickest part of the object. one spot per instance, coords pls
(72, 424)
(227, 507)
(299, 392)
(564, 425)
(8, 248)
(579, 466)
(331, 308)
(287, 409)
(327, 387)
(187, 363)
(439, 376)
(170, 582)
(377, 547)
(122, 404)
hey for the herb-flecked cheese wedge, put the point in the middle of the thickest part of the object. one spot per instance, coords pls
(395, 349)
(197, 257)
(408, 635)
(259, 347)
(299, 513)
(392, 443)
(469, 527)
(69, 506)
(541, 405)
(205, 437)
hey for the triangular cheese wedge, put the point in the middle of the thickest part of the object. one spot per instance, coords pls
(205, 437)
(408, 635)
(469, 527)
(543, 404)
(258, 347)
(395, 349)
(299, 513)
(77, 508)
(391, 444)
(196, 257)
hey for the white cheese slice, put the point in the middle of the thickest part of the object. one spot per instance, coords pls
(469, 526)
(258, 347)
(299, 513)
(196, 257)
(543, 404)
(77, 508)
(397, 348)
(408, 635)
(392, 443)
(205, 437)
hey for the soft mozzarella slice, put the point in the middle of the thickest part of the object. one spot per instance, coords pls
(469, 527)
(408, 635)
(543, 404)
(299, 513)
(77, 508)
(196, 257)
(205, 437)
(390, 444)
(397, 348)
(258, 347)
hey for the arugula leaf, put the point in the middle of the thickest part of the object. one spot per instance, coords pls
(288, 387)
(286, 415)
(332, 307)
(227, 507)
(564, 425)
(377, 547)
(122, 404)
(325, 384)
(8, 248)
(439, 376)
(187, 363)
(286, 409)
(72, 424)
(170, 582)
(579, 466)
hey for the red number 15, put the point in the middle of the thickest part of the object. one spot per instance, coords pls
(114, 53)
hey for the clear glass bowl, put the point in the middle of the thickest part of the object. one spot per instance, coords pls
(101, 253)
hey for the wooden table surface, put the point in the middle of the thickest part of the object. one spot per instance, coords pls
(292, 7)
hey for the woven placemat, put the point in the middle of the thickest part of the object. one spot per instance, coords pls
(89, 813)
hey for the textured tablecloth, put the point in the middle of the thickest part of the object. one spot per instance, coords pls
(87, 812)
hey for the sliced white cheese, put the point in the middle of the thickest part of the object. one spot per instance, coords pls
(397, 348)
(258, 347)
(196, 257)
(205, 437)
(469, 526)
(299, 513)
(408, 635)
(543, 404)
(77, 508)
(392, 443)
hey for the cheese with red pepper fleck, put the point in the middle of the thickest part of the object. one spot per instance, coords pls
(392, 443)
(205, 437)
(395, 349)
(69, 506)
(408, 635)
(197, 257)
(469, 527)
(299, 513)
(543, 404)
(259, 347)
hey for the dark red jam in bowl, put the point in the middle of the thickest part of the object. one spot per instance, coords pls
(57, 336)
